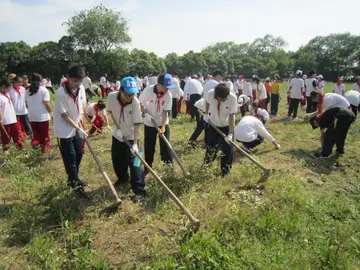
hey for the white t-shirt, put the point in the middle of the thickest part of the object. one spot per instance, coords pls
(126, 119)
(146, 81)
(309, 86)
(243, 99)
(90, 110)
(86, 82)
(155, 105)
(248, 89)
(249, 128)
(64, 103)
(353, 97)
(18, 101)
(193, 86)
(339, 89)
(210, 84)
(200, 104)
(35, 103)
(230, 85)
(177, 91)
(321, 86)
(153, 80)
(103, 81)
(220, 118)
(7, 109)
(297, 86)
(356, 87)
(334, 100)
(262, 91)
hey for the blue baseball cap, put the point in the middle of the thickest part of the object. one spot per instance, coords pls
(129, 84)
(166, 80)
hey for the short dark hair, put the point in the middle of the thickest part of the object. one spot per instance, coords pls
(101, 104)
(5, 81)
(217, 72)
(312, 72)
(222, 91)
(76, 72)
(314, 94)
(17, 79)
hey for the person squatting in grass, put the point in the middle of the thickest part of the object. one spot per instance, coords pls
(156, 103)
(70, 101)
(334, 124)
(200, 105)
(354, 99)
(17, 95)
(251, 131)
(125, 109)
(296, 89)
(96, 113)
(220, 109)
(275, 96)
(38, 103)
(9, 129)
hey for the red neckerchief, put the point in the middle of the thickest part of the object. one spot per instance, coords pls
(122, 106)
(26, 86)
(96, 108)
(64, 83)
(6, 94)
(320, 105)
(159, 97)
(75, 98)
(17, 90)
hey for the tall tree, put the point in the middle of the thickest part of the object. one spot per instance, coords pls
(98, 29)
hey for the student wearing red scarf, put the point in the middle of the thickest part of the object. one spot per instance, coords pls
(17, 95)
(221, 105)
(25, 82)
(97, 115)
(8, 123)
(156, 102)
(126, 112)
(38, 103)
(70, 101)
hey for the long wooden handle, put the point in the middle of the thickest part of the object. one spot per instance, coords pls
(236, 146)
(89, 120)
(162, 136)
(192, 219)
(107, 179)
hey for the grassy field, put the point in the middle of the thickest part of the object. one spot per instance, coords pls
(306, 216)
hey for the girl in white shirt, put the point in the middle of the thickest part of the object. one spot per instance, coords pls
(339, 87)
(38, 103)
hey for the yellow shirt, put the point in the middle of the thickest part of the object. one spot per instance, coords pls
(275, 88)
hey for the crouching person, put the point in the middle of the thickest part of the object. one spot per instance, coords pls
(222, 106)
(251, 131)
(124, 108)
(97, 115)
(334, 124)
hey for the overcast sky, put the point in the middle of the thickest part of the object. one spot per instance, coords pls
(165, 26)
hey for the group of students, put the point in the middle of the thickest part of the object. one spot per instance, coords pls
(127, 106)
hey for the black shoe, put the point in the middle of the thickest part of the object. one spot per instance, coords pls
(320, 155)
(247, 150)
(80, 192)
(82, 183)
(119, 184)
(339, 153)
(139, 198)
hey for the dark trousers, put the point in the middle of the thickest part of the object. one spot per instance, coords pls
(193, 110)
(267, 101)
(72, 151)
(214, 142)
(274, 104)
(354, 109)
(174, 108)
(310, 106)
(150, 142)
(259, 140)
(199, 128)
(293, 107)
(26, 123)
(122, 159)
(336, 136)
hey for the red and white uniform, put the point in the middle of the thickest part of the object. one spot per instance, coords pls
(18, 98)
(93, 110)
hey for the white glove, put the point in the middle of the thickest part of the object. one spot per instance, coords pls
(229, 138)
(119, 134)
(82, 133)
(134, 149)
(206, 118)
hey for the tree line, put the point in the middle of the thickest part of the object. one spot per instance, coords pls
(95, 39)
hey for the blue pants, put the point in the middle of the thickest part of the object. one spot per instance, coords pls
(71, 150)
(214, 142)
(122, 159)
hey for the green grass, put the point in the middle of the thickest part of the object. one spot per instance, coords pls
(306, 216)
